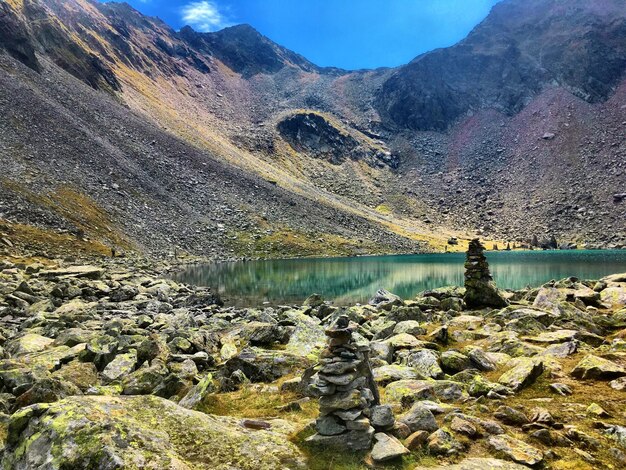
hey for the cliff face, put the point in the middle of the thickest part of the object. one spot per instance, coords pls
(513, 132)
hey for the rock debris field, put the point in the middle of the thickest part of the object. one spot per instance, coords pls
(112, 366)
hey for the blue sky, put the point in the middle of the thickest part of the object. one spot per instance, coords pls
(351, 34)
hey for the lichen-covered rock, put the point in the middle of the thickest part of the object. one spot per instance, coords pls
(441, 442)
(419, 418)
(516, 450)
(407, 392)
(262, 365)
(198, 393)
(425, 362)
(93, 433)
(477, 464)
(387, 448)
(81, 374)
(454, 361)
(523, 374)
(28, 344)
(120, 366)
(594, 367)
(394, 372)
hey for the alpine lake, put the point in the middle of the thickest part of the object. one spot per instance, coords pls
(346, 281)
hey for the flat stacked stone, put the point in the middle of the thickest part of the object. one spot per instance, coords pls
(480, 290)
(346, 389)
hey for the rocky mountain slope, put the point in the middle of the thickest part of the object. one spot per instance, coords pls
(226, 144)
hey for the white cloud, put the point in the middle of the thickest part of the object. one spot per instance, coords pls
(204, 16)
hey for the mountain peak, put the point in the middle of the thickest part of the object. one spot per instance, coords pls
(246, 51)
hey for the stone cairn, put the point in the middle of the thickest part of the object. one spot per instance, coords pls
(347, 391)
(480, 291)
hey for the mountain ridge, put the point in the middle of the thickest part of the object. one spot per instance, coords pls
(421, 170)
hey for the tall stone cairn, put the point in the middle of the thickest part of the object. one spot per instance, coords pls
(346, 389)
(480, 290)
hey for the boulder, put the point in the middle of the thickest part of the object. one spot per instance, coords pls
(387, 448)
(407, 392)
(442, 442)
(28, 344)
(262, 365)
(425, 362)
(120, 366)
(594, 367)
(94, 432)
(381, 417)
(87, 272)
(516, 450)
(419, 418)
(454, 361)
(392, 373)
(477, 464)
(523, 374)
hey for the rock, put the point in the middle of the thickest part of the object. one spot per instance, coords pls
(618, 384)
(145, 379)
(410, 327)
(417, 440)
(82, 374)
(419, 418)
(121, 366)
(46, 391)
(262, 365)
(561, 350)
(87, 272)
(454, 361)
(561, 389)
(462, 426)
(480, 360)
(381, 417)
(342, 401)
(477, 464)
(93, 432)
(551, 337)
(443, 443)
(425, 362)
(385, 300)
(198, 393)
(596, 410)
(403, 341)
(100, 350)
(516, 450)
(329, 426)
(594, 367)
(313, 300)
(523, 374)
(409, 391)
(387, 448)
(383, 351)
(511, 416)
(351, 440)
(615, 296)
(392, 373)
(123, 294)
(307, 337)
(28, 344)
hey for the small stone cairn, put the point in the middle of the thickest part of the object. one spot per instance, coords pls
(480, 291)
(347, 391)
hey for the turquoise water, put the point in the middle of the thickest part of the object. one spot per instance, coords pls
(350, 280)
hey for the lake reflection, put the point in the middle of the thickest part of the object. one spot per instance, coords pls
(351, 280)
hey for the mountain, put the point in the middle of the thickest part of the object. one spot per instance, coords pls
(127, 133)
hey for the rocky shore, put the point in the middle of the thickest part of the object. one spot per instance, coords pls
(112, 366)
